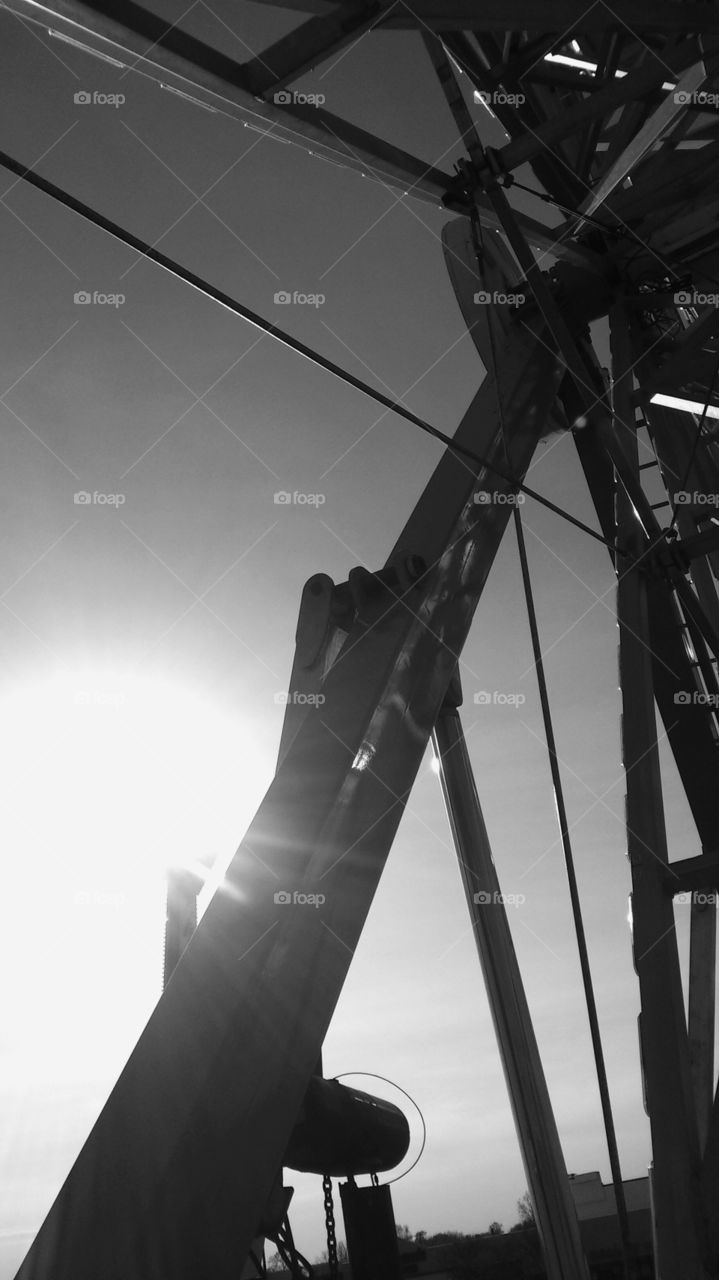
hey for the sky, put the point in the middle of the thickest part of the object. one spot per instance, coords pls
(147, 635)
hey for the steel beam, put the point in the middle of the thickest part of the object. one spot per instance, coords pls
(126, 32)
(607, 61)
(690, 874)
(528, 1094)
(487, 72)
(221, 85)
(676, 363)
(702, 1004)
(309, 44)
(564, 17)
(660, 121)
(580, 371)
(637, 85)
(687, 725)
(680, 1231)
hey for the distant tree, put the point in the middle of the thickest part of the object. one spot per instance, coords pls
(496, 1229)
(525, 1209)
(404, 1233)
(342, 1255)
(420, 1237)
(275, 1263)
(485, 1256)
(465, 1259)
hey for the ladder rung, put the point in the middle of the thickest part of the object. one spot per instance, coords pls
(644, 466)
(656, 506)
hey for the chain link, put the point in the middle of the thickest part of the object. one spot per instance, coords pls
(330, 1224)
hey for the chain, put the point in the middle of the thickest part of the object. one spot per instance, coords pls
(330, 1223)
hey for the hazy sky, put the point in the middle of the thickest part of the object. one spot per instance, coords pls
(144, 640)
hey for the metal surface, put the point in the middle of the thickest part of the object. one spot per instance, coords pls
(176, 1174)
(679, 1222)
(136, 37)
(660, 121)
(342, 1131)
(702, 1004)
(531, 1106)
(371, 1232)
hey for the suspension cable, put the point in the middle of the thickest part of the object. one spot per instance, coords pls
(575, 901)
(237, 308)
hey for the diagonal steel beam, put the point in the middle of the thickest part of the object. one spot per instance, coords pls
(309, 44)
(129, 33)
(660, 121)
(596, 106)
(564, 16)
(679, 1222)
(534, 1121)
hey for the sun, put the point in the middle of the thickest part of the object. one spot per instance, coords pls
(108, 779)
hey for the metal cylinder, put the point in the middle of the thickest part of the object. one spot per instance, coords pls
(343, 1132)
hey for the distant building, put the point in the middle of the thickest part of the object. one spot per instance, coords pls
(599, 1226)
